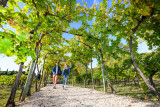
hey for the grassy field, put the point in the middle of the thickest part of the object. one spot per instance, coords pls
(5, 92)
(127, 90)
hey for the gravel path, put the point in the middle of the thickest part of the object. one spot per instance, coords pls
(80, 97)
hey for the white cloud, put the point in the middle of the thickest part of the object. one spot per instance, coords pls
(96, 1)
(94, 63)
(143, 48)
(8, 63)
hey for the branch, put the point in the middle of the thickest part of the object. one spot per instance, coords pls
(35, 7)
(140, 21)
(81, 35)
(39, 24)
(80, 53)
(52, 53)
(62, 18)
(39, 41)
(41, 37)
(85, 44)
(100, 16)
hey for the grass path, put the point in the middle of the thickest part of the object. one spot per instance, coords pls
(80, 97)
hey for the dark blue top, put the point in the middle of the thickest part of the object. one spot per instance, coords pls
(54, 70)
(68, 70)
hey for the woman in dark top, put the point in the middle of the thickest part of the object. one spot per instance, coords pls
(66, 72)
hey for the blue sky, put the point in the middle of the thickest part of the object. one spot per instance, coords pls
(8, 62)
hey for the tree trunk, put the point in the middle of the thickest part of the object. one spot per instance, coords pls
(104, 84)
(151, 77)
(130, 82)
(133, 59)
(30, 85)
(128, 78)
(151, 80)
(21, 93)
(42, 72)
(30, 75)
(44, 78)
(26, 86)
(92, 74)
(134, 82)
(112, 89)
(13, 92)
(36, 86)
(85, 78)
(99, 82)
(115, 77)
(141, 73)
(47, 77)
(73, 78)
(33, 74)
(137, 78)
(81, 68)
(40, 81)
(124, 82)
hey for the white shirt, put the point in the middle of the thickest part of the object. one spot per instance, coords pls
(56, 69)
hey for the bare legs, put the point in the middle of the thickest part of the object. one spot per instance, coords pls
(55, 77)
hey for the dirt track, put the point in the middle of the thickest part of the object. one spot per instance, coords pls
(80, 97)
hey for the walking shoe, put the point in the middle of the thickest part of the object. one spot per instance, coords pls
(63, 86)
(54, 87)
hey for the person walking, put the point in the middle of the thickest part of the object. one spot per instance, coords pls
(56, 71)
(66, 72)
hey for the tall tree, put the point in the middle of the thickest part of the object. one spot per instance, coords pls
(130, 19)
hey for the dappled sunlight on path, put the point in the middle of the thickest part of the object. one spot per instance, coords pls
(80, 97)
